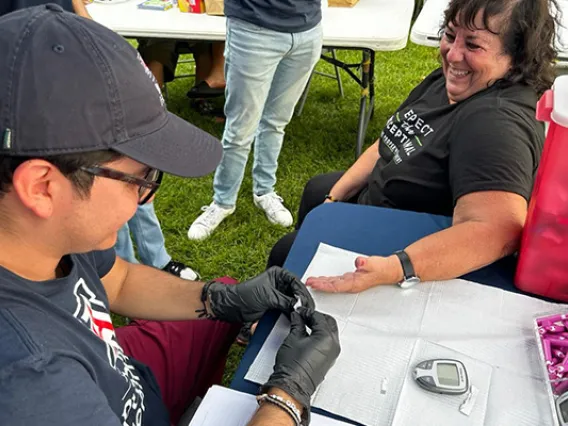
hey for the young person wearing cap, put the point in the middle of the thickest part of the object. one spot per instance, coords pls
(271, 49)
(84, 137)
(144, 225)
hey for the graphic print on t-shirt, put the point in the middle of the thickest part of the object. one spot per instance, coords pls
(405, 134)
(95, 315)
(152, 78)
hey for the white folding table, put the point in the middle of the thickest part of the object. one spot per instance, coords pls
(369, 26)
(562, 42)
(426, 28)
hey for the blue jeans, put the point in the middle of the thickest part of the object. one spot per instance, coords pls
(147, 233)
(266, 72)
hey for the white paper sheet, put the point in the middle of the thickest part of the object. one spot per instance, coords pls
(226, 407)
(510, 403)
(353, 386)
(328, 261)
(263, 364)
(434, 409)
(379, 328)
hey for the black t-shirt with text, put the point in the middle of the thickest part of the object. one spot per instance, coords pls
(433, 152)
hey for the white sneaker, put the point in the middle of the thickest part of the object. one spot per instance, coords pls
(275, 211)
(181, 270)
(208, 221)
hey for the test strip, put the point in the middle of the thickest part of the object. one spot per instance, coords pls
(554, 318)
(565, 363)
(547, 349)
(556, 341)
(384, 384)
(467, 405)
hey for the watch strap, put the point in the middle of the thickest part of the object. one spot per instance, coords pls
(407, 268)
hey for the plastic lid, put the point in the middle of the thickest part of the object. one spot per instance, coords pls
(560, 103)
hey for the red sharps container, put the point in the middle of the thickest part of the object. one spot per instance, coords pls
(543, 258)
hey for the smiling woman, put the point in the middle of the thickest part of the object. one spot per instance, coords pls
(472, 60)
(485, 41)
(465, 143)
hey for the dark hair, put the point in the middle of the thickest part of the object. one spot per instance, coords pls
(528, 32)
(68, 164)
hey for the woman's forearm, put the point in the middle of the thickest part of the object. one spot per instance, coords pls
(357, 175)
(462, 248)
(444, 255)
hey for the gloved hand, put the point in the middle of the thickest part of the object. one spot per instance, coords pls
(275, 288)
(304, 359)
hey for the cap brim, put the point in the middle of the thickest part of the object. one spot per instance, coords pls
(178, 148)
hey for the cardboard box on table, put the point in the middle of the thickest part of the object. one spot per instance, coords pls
(342, 3)
(214, 7)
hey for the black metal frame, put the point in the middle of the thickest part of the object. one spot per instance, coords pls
(367, 84)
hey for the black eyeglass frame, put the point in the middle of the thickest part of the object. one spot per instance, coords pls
(144, 184)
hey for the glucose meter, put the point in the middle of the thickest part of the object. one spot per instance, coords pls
(446, 376)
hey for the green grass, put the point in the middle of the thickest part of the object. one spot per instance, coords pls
(322, 139)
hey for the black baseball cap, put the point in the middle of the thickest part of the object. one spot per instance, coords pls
(70, 85)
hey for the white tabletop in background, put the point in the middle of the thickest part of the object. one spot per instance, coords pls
(371, 24)
(563, 34)
(425, 30)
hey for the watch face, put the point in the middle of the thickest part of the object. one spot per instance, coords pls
(409, 282)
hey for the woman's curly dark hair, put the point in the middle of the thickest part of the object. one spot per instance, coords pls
(528, 32)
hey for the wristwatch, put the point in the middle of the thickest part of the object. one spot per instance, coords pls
(410, 278)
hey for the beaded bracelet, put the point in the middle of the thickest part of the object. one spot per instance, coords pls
(284, 404)
(202, 313)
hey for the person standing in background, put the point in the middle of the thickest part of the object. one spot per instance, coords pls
(271, 49)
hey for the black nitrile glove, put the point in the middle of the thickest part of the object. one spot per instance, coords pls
(304, 359)
(275, 288)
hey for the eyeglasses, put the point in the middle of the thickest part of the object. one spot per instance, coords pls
(148, 186)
